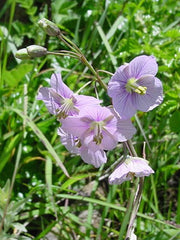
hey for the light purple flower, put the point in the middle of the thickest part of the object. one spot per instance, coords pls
(98, 128)
(135, 87)
(61, 101)
(74, 146)
(132, 166)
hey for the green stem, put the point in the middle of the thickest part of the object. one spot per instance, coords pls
(83, 59)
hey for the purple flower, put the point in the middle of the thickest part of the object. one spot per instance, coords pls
(135, 87)
(132, 166)
(98, 128)
(74, 146)
(61, 101)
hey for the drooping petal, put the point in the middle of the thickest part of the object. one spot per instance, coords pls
(125, 130)
(153, 96)
(109, 141)
(59, 86)
(143, 65)
(45, 95)
(140, 167)
(69, 141)
(132, 166)
(96, 158)
(119, 175)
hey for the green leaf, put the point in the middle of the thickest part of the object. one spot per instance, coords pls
(174, 122)
(14, 76)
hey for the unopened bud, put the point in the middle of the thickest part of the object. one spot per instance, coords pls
(49, 27)
(36, 51)
(22, 54)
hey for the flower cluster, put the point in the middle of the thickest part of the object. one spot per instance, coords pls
(89, 129)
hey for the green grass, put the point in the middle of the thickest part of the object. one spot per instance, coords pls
(36, 195)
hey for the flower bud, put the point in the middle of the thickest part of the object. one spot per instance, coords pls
(49, 27)
(22, 54)
(36, 51)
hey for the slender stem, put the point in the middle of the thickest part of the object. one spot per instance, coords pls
(128, 211)
(134, 201)
(83, 59)
(135, 208)
(64, 54)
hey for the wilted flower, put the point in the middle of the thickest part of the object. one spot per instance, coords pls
(132, 166)
(61, 101)
(135, 87)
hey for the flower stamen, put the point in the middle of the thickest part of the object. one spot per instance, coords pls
(132, 86)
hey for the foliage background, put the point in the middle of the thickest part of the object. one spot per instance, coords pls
(39, 199)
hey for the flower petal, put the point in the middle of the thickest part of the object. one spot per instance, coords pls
(153, 96)
(119, 175)
(121, 75)
(45, 95)
(96, 158)
(109, 141)
(143, 65)
(59, 86)
(74, 126)
(84, 101)
(126, 130)
(132, 166)
(123, 105)
(69, 141)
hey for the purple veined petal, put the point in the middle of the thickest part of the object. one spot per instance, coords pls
(84, 101)
(87, 138)
(74, 125)
(114, 88)
(143, 65)
(125, 130)
(109, 140)
(123, 105)
(59, 86)
(69, 141)
(153, 96)
(132, 166)
(44, 95)
(121, 75)
(95, 113)
(96, 158)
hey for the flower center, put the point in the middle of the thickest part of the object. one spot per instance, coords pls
(132, 86)
(97, 127)
(67, 104)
